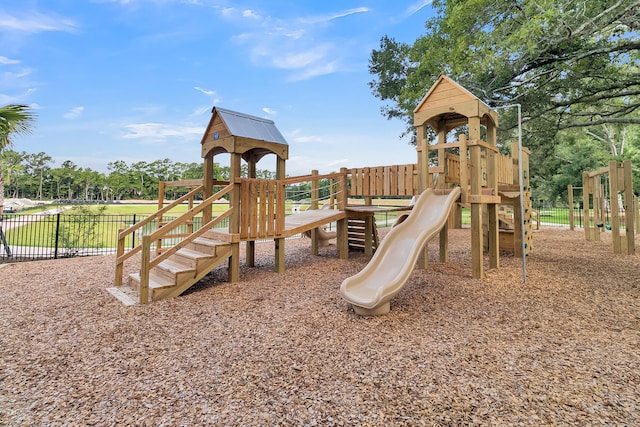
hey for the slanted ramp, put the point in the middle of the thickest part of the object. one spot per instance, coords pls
(371, 289)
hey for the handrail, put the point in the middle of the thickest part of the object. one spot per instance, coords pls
(161, 232)
(158, 213)
(205, 227)
(164, 232)
(121, 256)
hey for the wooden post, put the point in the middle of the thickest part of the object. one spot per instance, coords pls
(119, 264)
(571, 213)
(315, 243)
(208, 187)
(143, 290)
(342, 226)
(629, 213)
(586, 215)
(492, 208)
(475, 162)
(423, 158)
(614, 188)
(279, 242)
(234, 219)
(250, 245)
(161, 187)
(464, 170)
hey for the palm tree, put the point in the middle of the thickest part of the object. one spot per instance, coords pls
(15, 119)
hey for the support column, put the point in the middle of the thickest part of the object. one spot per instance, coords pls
(234, 219)
(315, 243)
(492, 208)
(279, 242)
(423, 158)
(475, 163)
(250, 246)
(629, 209)
(207, 182)
(342, 226)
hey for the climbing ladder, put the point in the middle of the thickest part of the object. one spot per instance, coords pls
(363, 234)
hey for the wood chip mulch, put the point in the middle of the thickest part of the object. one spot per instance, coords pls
(562, 349)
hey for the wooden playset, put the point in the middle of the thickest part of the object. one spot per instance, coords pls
(618, 203)
(175, 255)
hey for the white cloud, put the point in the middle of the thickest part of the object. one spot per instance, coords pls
(201, 110)
(161, 132)
(13, 99)
(205, 91)
(319, 69)
(227, 12)
(269, 111)
(297, 136)
(8, 61)
(330, 17)
(300, 59)
(36, 22)
(210, 93)
(74, 113)
(248, 13)
(416, 7)
(293, 44)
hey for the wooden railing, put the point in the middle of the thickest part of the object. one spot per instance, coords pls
(165, 232)
(262, 212)
(262, 202)
(121, 256)
(397, 180)
(505, 169)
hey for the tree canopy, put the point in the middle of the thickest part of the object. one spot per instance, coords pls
(570, 63)
(15, 119)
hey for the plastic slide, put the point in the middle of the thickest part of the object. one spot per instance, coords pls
(371, 289)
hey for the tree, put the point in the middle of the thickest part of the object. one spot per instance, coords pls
(569, 63)
(15, 119)
(118, 180)
(11, 163)
(38, 164)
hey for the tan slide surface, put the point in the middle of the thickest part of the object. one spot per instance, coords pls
(371, 289)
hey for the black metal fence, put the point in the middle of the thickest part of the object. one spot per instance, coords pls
(27, 237)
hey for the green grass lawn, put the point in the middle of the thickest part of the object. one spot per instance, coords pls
(89, 231)
(73, 230)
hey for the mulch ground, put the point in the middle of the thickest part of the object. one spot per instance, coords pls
(285, 349)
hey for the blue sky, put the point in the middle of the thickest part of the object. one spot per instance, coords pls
(136, 80)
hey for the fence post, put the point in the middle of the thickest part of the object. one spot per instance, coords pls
(7, 249)
(55, 250)
(133, 235)
(570, 200)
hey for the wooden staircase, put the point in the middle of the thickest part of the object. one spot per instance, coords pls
(183, 269)
(357, 231)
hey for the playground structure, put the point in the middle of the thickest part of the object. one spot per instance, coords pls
(176, 255)
(619, 203)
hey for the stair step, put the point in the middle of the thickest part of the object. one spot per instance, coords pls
(154, 283)
(169, 270)
(205, 245)
(190, 257)
(173, 267)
